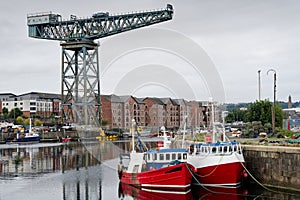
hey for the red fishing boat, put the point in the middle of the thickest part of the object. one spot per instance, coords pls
(156, 169)
(218, 164)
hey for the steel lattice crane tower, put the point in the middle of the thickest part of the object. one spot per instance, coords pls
(80, 83)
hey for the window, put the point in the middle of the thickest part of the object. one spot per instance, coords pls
(173, 156)
(167, 156)
(214, 149)
(135, 168)
(179, 156)
(161, 156)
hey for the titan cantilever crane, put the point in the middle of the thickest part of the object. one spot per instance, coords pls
(80, 87)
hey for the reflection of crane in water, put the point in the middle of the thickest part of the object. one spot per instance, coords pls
(80, 84)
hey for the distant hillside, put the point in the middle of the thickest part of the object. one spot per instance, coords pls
(237, 106)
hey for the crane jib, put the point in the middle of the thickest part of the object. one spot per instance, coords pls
(51, 26)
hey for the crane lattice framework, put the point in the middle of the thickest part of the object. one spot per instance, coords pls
(80, 87)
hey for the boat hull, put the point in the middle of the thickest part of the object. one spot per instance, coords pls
(226, 175)
(175, 177)
(218, 170)
(25, 140)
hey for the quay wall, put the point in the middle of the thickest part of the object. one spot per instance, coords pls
(278, 166)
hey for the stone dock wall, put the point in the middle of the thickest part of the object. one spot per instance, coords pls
(278, 166)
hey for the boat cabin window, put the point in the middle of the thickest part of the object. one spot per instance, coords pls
(161, 156)
(167, 156)
(184, 156)
(213, 150)
(155, 156)
(135, 168)
(179, 156)
(173, 156)
(235, 148)
(225, 149)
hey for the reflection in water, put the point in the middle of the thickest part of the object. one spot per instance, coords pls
(88, 170)
(148, 194)
(195, 193)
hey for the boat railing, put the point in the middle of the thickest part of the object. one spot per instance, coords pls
(220, 149)
(165, 157)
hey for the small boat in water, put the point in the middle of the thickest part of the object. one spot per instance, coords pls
(30, 137)
(162, 169)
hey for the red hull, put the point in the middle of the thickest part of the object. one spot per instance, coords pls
(176, 177)
(225, 174)
(136, 193)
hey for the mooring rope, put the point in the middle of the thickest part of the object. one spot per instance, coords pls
(262, 185)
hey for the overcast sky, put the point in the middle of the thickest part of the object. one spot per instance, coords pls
(239, 37)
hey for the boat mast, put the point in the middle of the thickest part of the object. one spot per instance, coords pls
(213, 122)
(29, 124)
(132, 132)
(184, 131)
(223, 126)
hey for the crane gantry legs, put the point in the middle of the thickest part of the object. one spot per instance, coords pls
(81, 83)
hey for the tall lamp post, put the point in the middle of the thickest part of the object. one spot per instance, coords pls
(258, 84)
(274, 110)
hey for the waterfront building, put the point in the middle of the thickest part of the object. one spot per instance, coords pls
(118, 111)
(184, 112)
(292, 121)
(33, 103)
(155, 114)
(195, 115)
(172, 113)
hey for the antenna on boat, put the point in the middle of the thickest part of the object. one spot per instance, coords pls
(184, 131)
(213, 120)
(132, 132)
(30, 125)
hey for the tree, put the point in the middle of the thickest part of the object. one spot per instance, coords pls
(14, 113)
(38, 123)
(262, 111)
(20, 120)
(236, 115)
(4, 111)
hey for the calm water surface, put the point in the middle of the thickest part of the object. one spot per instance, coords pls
(88, 170)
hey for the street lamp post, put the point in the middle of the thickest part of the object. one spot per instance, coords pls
(258, 84)
(274, 110)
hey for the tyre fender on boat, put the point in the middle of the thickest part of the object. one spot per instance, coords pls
(120, 170)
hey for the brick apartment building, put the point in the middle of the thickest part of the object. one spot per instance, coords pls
(119, 111)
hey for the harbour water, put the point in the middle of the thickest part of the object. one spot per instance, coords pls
(88, 170)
